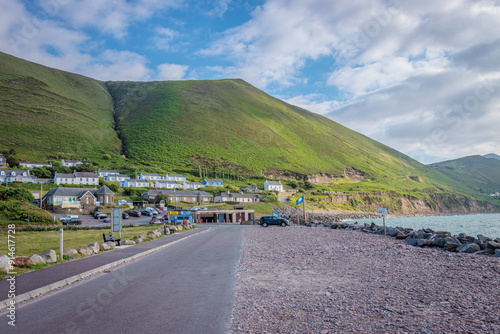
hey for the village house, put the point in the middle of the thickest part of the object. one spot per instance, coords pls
(116, 178)
(103, 172)
(273, 186)
(149, 176)
(251, 189)
(179, 196)
(186, 185)
(135, 183)
(70, 163)
(34, 164)
(77, 198)
(174, 177)
(76, 178)
(226, 197)
(11, 175)
(167, 184)
(212, 182)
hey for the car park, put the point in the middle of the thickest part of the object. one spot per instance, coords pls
(101, 216)
(72, 221)
(146, 213)
(272, 220)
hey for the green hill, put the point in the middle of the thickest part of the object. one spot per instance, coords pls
(46, 112)
(476, 172)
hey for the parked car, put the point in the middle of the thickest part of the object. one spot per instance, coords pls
(125, 215)
(72, 221)
(107, 220)
(134, 213)
(66, 217)
(154, 220)
(95, 213)
(146, 213)
(272, 220)
(101, 216)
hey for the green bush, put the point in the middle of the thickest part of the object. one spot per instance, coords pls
(19, 194)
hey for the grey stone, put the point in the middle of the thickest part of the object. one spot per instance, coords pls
(139, 240)
(422, 242)
(23, 261)
(411, 241)
(437, 241)
(497, 253)
(469, 248)
(103, 247)
(85, 251)
(37, 259)
(49, 256)
(152, 234)
(4, 264)
(111, 244)
(70, 252)
(129, 242)
(452, 244)
(94, 247)
(493, 245)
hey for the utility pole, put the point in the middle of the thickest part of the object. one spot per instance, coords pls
(40, 200)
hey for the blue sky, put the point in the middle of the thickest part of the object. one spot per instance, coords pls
(420, 76)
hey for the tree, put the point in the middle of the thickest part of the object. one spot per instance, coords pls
(19, 194)
(163, 197)
(12, 161)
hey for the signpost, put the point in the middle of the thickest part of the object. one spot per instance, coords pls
(116, 221)
(383, 212)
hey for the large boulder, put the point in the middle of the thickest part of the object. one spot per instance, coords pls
(103, 247)
(129, 242)
(4, 264)
(85, 251)
(111, 244)
(493, 245)
(452, 244)
(71, 253)
(497, 253)
(411, 241)
(23, 261)
(153, 234)
(94, 247)
(139, 240)
(50, 256)
(36, 259)
(469, 248)
(437, 241)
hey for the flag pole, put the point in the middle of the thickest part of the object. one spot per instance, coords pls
(304, 206)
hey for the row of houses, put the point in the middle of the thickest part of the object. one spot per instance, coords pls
(202, 196)
(31, 164)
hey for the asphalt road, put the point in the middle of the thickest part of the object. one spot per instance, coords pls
(185, 288)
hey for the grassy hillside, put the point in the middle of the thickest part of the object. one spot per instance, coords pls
(224, 121)
(476, 172)
(46, 112)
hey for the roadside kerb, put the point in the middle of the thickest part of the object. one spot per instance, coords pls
(70, 280)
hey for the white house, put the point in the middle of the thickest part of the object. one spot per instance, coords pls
(70, 163)
(76, 178)
(136, 183)
(149, 176)
(186, 185)
(167, 184)
(115, 177)
(238, 198)
(34, 164)
(212, 182)
(273, 185)
(104, 172)
(174, 177)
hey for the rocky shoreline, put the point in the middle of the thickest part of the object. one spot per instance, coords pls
(300, 279)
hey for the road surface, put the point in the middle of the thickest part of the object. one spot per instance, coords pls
(185, 288)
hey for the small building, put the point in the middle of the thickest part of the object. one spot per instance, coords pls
(149, 176)
(115, 177)
(12, 175)
(179, 196)
(77, 198)
(273, 186)
(227, 197)
(105, 196)
(70, 163)
(174, 177)
(34, 164)
(105, 172)
(212, 182)
(76, 178)
(167, 184)
(251, 189)
(186, 185)
(135, 183)
(3, 160)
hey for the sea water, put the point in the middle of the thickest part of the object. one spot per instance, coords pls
(485, 224)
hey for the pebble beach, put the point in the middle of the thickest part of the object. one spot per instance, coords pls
(298, 279)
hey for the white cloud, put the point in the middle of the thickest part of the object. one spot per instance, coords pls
(163, 38)
(172, 71)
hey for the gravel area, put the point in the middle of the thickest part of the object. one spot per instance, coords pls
(318, 280)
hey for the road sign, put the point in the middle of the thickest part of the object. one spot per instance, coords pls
(175, 213)
(382, 212)
(116, 220)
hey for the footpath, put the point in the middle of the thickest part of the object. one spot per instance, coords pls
(39, 282)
